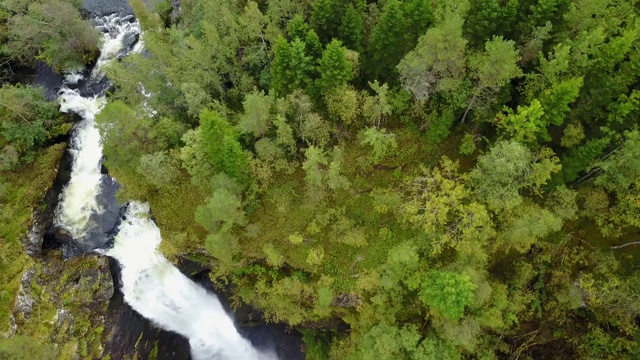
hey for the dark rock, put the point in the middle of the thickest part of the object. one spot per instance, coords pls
(48, 79)
(106, 7)
(40, 234)
(129, 40)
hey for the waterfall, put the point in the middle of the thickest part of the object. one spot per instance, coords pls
(151, 285)
(78, 201)
(161, 293)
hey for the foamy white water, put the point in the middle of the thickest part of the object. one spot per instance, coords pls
(115, 30)
(151, 284)
(161, 293)
(78, 200)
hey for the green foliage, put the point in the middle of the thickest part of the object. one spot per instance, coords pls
(161, 169)
(297, 28)
(525, 125)
(622, 168)
(376, 108)
(52, 31)
(325, 18)
(19, 347)
(581, 158)
(507, 168)
(437, 64)
(487, 18)
(381, 142)
(476, 255)
(343, 104)
(290, 66)
(468, 145)
(447, 293)
(573, 135)
(27, 120)
(313, 166)
(317, 344)
(386, 45)
(335, 70)
(497, 65)
(257, 110)
(224, 150)
(352, 26)
(222, 211)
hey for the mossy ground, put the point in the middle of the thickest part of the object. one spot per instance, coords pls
(20, 190)
(56, 284)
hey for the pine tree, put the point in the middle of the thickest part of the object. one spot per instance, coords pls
(220, 139)
(419, 17)
(313, 45)
(325, 18)
(487, 18)
(297, 28)
(386, 44)
(290, 66)
(335, 69)
(352, 27)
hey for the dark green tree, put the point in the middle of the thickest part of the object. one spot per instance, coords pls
(488, 18)
(386, 43)
(325, 18)
(352, 27)
(335, 70)
(290, 66)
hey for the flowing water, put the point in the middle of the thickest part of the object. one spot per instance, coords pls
(151, 285)
(160, 292)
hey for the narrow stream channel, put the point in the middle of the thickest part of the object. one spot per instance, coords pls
(151, 285)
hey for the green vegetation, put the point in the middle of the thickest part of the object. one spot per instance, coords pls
(49, 30)
(452, 179)
(20, 191)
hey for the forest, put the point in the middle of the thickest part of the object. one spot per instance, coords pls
(396, 179)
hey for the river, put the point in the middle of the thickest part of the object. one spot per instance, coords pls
(151, 285)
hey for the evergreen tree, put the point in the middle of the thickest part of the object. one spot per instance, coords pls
(297, 28)
(488, 18)
(313, 45)
(419, 17)
(386, 43)
(352, 27)
(224, 150)
(335, 70)
(290, 66)
(325, 18)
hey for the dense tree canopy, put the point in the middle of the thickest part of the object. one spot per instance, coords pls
(451, 179)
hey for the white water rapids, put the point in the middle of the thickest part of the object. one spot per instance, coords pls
(161, 293)
(151, 285)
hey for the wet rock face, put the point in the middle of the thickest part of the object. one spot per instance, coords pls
(105, 7)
